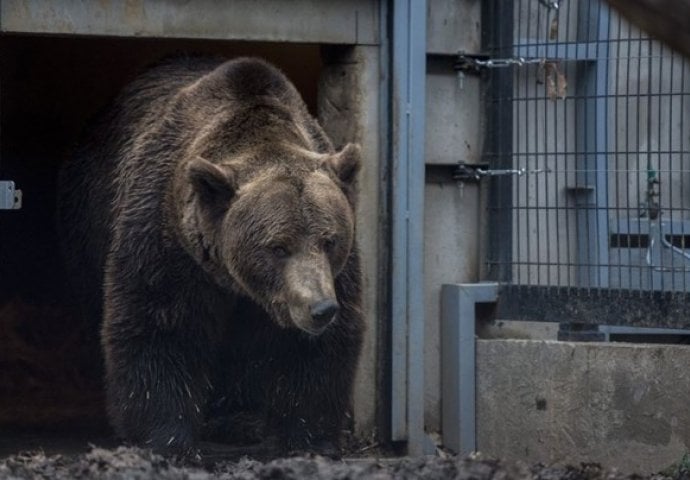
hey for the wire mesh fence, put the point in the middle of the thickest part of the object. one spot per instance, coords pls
(595, 114)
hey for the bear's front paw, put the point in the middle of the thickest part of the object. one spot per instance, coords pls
(240, 428)
(168, 440)
(301, 445)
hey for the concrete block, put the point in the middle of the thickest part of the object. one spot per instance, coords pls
(453, 115)
(453, 26)
(622, 405)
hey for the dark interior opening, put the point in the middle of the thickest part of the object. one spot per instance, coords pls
(630, 240)
(49, 89)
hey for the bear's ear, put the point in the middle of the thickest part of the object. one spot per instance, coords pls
(214, 184)
(346, 163)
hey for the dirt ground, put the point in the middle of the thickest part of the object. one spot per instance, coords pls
(131, 463)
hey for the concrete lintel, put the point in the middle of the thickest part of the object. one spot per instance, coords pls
(335, 21)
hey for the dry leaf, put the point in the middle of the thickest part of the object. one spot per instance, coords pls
(553, 31)
(556, 83)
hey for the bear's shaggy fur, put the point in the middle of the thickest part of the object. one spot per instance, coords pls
(208, 221)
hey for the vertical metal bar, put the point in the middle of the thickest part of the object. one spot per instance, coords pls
(521, 148)
(536, 257)
(600, 144)
(626, 147)
(591, 115)
(497, 16)
(568, 157)
(616, 143)
(518, 106)
(526, 128)
(409, 75)
(671, 206)
(666, 182)
(654, 224)
(681, 130)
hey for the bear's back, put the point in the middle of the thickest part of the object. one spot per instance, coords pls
(89, 180)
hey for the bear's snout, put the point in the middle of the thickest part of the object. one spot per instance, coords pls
(323, 312)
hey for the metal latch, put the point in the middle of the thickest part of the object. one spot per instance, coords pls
(467, 63)
(10, 197)
(472, 173)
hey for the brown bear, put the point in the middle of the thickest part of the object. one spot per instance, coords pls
(208, 220)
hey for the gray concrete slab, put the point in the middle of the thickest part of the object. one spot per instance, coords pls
(622, 405)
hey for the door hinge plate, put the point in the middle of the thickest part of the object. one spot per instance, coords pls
(10, 197)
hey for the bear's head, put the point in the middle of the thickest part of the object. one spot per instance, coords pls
(278, 231)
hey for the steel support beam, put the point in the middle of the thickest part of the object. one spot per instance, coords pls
(458, 374)
(592, 121)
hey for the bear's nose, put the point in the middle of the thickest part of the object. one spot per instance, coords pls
(323, 311)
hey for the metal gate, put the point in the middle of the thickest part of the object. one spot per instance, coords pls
(588, 154)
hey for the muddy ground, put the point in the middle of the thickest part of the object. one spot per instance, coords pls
(131, 463)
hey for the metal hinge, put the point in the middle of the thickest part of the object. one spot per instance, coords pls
(10, 197)
(472, 173)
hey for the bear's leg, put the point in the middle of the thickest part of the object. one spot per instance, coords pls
(156, 375)
(311, 396)
(311, 391)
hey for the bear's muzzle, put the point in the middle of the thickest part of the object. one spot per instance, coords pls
(323, 312)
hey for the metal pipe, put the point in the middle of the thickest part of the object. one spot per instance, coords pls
(407, 198)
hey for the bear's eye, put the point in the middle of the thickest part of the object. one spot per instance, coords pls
(328, 244)
(279, 251)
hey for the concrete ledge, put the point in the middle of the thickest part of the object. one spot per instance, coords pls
(335, 21)
(622, 405)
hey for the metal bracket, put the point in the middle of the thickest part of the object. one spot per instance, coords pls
(10, 197)
(469, 173)
(458, 362)
(473, 64)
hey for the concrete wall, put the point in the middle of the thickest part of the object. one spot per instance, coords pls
(622, 405)
(349, 112)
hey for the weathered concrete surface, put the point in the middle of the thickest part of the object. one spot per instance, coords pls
(454, 130)
(453, 26)
(621, 405)
(335, 21)
(349, 112)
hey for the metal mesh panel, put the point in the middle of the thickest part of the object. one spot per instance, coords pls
(599, 125)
